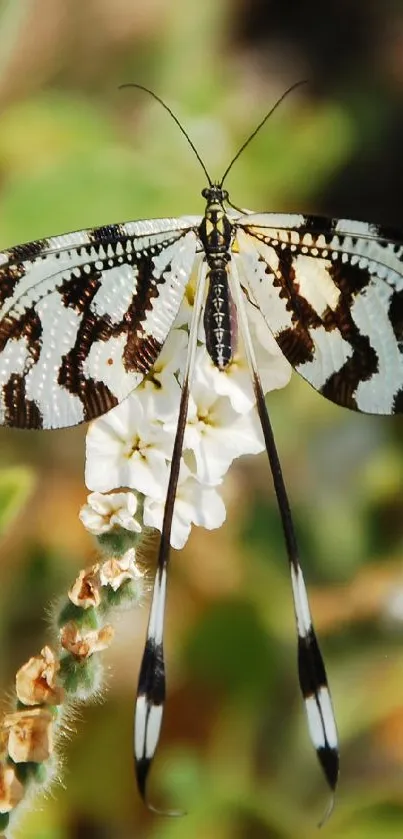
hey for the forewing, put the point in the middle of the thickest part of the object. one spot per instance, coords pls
(331, 291)
(83, 317)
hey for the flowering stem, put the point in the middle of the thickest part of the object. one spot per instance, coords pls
(50, 683)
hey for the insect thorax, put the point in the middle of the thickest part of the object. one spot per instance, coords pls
(215, 234)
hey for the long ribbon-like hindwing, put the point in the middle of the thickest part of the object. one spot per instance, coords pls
(311, 669)
(151, 686)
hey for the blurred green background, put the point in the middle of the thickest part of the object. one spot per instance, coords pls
(77, 152)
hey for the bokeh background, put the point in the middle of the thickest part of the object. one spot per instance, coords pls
(76, 152)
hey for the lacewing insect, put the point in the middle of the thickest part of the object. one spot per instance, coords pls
(84, 316)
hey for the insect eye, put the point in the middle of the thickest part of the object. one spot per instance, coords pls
(205, 192)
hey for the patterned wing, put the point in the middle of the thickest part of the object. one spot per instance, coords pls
(83, 317)
(331, 291)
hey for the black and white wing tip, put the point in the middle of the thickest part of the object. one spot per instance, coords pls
(147, 729)
(151, 696)
(315, 689)
(319, 710)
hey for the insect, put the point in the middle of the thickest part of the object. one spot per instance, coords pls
(83, 317)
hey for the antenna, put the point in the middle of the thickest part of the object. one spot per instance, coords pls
(261, 124)
(175, 118)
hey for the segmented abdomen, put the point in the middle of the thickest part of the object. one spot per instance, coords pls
(220, 319)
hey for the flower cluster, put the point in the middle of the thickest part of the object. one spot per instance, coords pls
(131, 446)
(49, 684)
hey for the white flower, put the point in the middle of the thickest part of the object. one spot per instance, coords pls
(194, 504)
(216, 434)
(116, 571)
(127, 447)
(161, 385)
(274, 369)
(132, 445)
(184, 315)
(235, 380)
(104, 512)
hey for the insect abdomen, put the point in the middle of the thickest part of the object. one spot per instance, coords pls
(219, 319)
